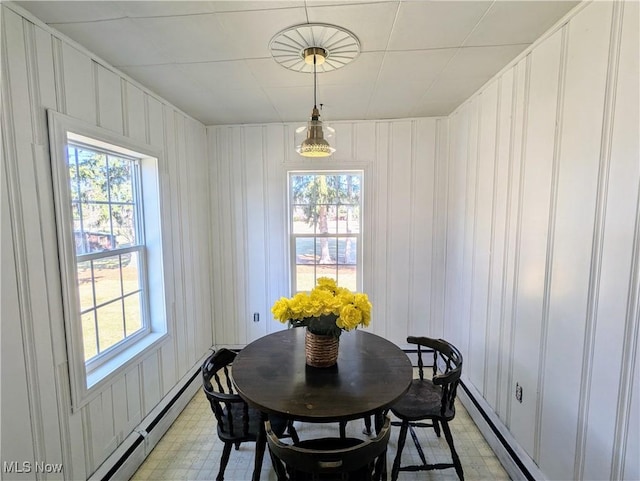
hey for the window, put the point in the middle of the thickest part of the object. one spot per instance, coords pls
(108, 214)
(325, 219)
(109, 244)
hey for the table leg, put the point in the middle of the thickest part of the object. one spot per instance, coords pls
(379, 418)
(261, 444)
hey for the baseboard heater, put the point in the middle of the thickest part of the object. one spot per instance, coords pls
(524, 471)
(128, 457)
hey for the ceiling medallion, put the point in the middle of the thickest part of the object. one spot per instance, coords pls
(290, 47)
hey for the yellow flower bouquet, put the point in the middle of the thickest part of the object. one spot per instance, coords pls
(327, 309)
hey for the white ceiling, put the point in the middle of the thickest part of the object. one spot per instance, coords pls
(419, 58)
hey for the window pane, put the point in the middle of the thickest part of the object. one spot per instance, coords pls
(89, 335)
(300, 222)
(348, 250)
(130, 273)
(326, 250)
(85, 285)
(348, 219)
(120, 180)
(106, 273)
(123, 225)
(321, 204)
(305, 250)
(92, 176)
(326, 271)
(96, 227)
(110, 324)
(305, 278)
(347, 277)
(132, 314)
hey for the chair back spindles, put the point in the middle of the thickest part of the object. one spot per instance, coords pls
(348, 459)
(236, 421)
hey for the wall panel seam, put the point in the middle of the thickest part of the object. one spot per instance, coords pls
(434, 243)
(182, 288)
(598, 240)
(412, 230)
(147, 128)
(265, 225)
(446, 170)
(88, 436)
(58, 75)
(551, 227)
(95, 71)
(18, 237)
(445, 228)
(465, 234)
(245, 237)
(629, 356)
(63, 395)
(188, 136)
(630, 340)
(172, 322)
(518, 227)
(492, 241)
(388, 209)
(124, 100)
(474, 230)
(32, 81)
(506, 244)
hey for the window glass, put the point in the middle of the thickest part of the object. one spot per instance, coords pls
(105, 202)
(325, 217)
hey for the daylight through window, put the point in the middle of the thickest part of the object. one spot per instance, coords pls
(325, 216)
(109, 244)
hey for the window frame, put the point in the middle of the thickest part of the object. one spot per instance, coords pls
(87, 378)
(293, 236)
(104, 355)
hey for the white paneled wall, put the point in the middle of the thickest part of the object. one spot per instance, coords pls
(512, 228)
(404, 164)
(542, 281)
(41, 70)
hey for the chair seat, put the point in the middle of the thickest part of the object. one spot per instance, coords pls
(278, 424)
(422, 400)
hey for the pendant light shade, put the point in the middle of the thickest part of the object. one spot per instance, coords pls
(309, 48)
(315, 145)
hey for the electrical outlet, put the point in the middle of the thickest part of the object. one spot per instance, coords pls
(256, 317)
(518, 392)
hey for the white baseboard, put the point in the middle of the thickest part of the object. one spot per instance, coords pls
(516, 462)
(130, 455)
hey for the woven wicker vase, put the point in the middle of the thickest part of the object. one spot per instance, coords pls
(320, 350)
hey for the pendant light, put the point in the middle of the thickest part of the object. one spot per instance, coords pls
(315, 145)
(314, 48)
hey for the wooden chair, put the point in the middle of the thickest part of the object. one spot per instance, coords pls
(430, 400)
(237, 422)
(342, 458)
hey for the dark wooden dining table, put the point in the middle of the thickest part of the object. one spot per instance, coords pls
(271, 375)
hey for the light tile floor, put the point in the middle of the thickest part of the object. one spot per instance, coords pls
(190, 450)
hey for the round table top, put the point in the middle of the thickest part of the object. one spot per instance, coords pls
(272, 376)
